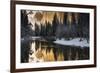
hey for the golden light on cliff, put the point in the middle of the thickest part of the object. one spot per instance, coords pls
(47, 17)
(44, 17)
(60, 16)
(38, 16)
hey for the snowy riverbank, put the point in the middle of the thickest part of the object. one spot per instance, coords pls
(73, 42)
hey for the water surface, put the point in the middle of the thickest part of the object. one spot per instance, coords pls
(44, 51)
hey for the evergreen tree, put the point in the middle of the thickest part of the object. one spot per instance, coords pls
(65, 19)
(36, 29)
(55, 24)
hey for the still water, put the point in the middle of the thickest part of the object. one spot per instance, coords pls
(44, 51)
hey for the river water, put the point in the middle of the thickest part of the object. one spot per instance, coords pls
(44, 51)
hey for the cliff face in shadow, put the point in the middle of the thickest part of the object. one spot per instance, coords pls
(25, 26)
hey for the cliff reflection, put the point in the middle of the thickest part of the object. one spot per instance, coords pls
(42, 51)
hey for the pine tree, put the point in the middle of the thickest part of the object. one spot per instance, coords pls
(54, 26)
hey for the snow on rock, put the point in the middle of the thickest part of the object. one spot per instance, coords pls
(73, 42)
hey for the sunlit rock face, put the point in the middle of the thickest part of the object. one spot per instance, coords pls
(47, 17)
(34, 17)
(43, 17)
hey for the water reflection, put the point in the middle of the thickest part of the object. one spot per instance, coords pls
(43, 51)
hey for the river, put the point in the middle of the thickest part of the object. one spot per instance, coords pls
(47, 51)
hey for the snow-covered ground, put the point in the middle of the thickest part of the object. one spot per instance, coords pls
(35, 37)
(32, 38)
(73, 42)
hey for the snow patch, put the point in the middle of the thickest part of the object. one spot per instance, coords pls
(73, 42)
